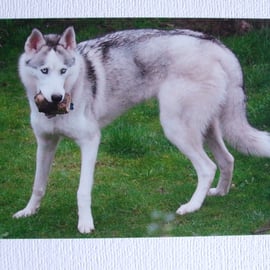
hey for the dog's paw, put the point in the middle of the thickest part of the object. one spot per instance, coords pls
(26, 212)
(213, 192)
(187, 208)
(86, 226)
(216, 192)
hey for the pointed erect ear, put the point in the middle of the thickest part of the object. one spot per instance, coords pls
(68, 39)
(34, 42)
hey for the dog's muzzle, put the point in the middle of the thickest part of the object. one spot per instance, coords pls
(51, 109)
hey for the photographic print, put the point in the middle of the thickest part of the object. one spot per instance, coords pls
(134, 127)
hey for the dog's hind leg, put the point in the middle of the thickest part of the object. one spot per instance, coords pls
(188, 139)
(190, 143)
(45, 154)
(223, 158)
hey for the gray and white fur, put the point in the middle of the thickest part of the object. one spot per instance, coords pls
(197, 80)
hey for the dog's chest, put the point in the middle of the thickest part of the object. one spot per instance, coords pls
(69, 125)
(58, 125)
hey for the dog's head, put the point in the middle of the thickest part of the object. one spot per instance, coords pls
(50, 60)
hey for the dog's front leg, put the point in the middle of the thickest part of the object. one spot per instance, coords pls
(89, 149)
(45, 154)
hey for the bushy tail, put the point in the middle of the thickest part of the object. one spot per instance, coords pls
(236, 129)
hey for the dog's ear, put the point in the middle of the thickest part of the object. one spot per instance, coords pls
(68, 39)
(34, 42)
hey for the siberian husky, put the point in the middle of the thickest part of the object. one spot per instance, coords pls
(197, 80)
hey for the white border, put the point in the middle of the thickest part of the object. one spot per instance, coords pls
(135, 8)
(240, 252)
(219, 253)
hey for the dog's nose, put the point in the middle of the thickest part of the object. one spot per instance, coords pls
(56, 98)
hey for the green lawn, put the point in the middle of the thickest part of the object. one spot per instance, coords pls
(140, 178)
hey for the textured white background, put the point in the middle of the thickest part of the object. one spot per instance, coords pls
(134, 8)
(241, 252)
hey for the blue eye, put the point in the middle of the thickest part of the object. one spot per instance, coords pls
(63, 70)
(45, 70)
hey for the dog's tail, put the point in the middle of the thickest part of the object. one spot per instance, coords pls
(236, 129)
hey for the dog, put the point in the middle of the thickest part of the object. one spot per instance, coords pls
(197, 80)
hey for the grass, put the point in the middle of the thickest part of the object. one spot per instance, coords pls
(140, 178)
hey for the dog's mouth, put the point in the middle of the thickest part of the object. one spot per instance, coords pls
(51, 109)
